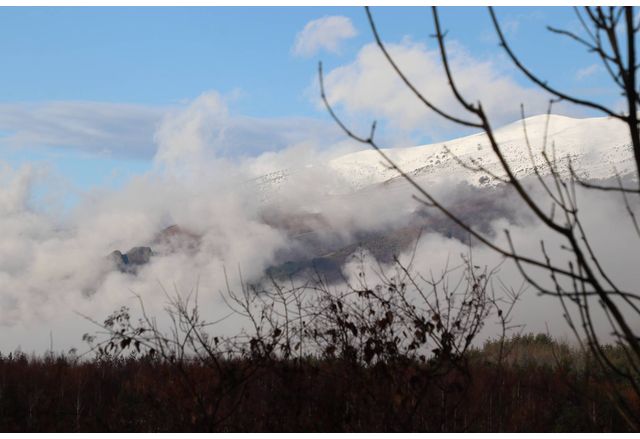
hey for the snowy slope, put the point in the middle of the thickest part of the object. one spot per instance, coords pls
(596, 146)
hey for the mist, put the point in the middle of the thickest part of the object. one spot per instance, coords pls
(55, 274)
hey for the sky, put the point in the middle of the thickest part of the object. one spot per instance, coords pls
(82, 90)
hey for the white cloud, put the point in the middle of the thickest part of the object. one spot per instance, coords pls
(111, 129)
(510, 25)
(587, 72)
(50, 268)
(118, 130)
(369, 87)
(206, 129)
(326, 33)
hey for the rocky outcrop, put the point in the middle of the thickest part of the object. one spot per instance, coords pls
(317, 249)
(130, 262)
(173, 239)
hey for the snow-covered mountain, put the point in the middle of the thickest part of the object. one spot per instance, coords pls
(598, 147)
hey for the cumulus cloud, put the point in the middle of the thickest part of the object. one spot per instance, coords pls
(368, 86)
(207, 130)
(326, 33)
(52, 267)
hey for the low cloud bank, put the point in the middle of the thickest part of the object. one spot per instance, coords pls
(54, 270)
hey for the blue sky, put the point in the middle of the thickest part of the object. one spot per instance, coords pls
(83, 90)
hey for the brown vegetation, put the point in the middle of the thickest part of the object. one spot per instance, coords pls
(58, 393)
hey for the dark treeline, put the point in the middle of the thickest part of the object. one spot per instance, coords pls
(542, 385)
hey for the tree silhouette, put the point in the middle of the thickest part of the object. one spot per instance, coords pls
(582, 285)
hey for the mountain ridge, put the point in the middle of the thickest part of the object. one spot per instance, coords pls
(596, 144)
